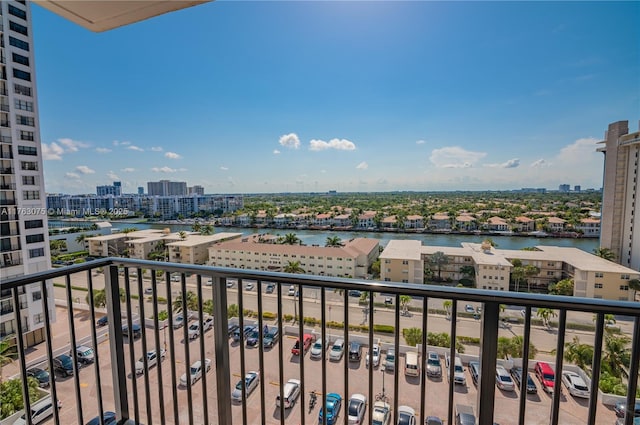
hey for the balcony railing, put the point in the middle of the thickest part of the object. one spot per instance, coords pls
(156, 396)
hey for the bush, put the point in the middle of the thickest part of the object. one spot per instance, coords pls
(311, 321)
(387, 329)
(268, 315)
(288, 317)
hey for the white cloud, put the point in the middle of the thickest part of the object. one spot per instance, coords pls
(164, 169)
(276, 152)
(337, 144)
(103, 150)
(172, 155)
(156, 149)
(85, 170)
(455, 157)
(540, 163)
(512, 163)
(290, 140)
(71, 175)
(72, 145)
(362, 166)
(113, 176)
(118, 143)
(420, 142)
(135, 148)
(223, 168)
(579, 150)
(52, 152)
(128, 170)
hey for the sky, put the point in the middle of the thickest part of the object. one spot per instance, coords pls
(275, 96)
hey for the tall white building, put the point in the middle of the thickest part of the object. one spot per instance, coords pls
(620, 194)
(24, 237)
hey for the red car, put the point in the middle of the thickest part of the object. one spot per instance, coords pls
(307, 340)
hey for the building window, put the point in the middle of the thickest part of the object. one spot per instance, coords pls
(29, 180)
(624, 287)
(19, 43)
(550, 273)
(29, 165)
(27, 150)
(405, 262)
(18, 28)
(21, 75)
(38, 318)
(625, 277)
(23, 90)
(22, 120)
(599, 275)
(24, 105)
(35, 238)
(15, 11)
(38, 252)
(32, 224)
(598, 286)
(37, 295)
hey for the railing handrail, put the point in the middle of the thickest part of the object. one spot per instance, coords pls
(560, 302)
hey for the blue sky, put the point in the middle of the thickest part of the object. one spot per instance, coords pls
(244, 97)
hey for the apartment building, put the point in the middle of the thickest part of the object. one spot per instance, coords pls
(24, 237)
(257, 252)
(620, 192)
(594, 277)
(166, 188)
(194, 249)
(115, 244)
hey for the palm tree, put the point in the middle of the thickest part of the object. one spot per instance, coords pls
(634, 285)
(545, 314)
(57, 245)
(100, 297)
(293, 267)
(192, 302)
(468, 272)
(333, 241)
(182, 234)
(128, 230)
(579, 354)
(439, 259)
(8, 353)
(605, 253)
(413, 336)
(81, 238)
(404, 302)
(616, 354)
(446, 304)
(207, 229)
(291, 239)
(196, 227)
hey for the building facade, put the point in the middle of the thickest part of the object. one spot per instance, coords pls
(167, 188)
(620, 194)
(24, 239)
(115, 189)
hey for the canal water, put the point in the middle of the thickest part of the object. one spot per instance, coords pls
(319, 237)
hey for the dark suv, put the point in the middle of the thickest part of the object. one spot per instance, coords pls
(63, 364)
(355, 351)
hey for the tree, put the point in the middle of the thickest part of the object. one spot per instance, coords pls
(233, 311)
(207, 230)
(100, 297)
(634, 285)
(579, 354)
(563, 287)
(294, 267)
(8, 352)
(446, 304)
(196, 227)
(81, 238)
(57, 245)
(128, 230)
(438, 260)
(545, 314)
(468, 271)
(605, 253)
(616, 354)
(11, 400)
(183, 235)
(404, 302)
(413, 336)
(291, 239)
(333, 241)
(192, 302)
(374, 269)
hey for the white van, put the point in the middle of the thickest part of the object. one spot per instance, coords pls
(411, 365)
(291, 392)
(40, 411)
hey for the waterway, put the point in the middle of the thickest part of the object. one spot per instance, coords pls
(319, 237)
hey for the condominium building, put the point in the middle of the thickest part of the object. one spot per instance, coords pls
(194, 249)
(115, 189)
(594, 277)
(620, 192)
(260, 252)
(166, 188)
(24, 239)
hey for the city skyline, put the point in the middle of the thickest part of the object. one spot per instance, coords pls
(309, 97)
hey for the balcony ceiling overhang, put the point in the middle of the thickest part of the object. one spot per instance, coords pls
(104, 15)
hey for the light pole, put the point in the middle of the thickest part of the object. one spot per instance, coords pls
(382, 369)
(295, 307)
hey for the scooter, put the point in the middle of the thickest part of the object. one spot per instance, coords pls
(312, 401)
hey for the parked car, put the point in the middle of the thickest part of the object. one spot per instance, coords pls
(292, 290)
(434, 367)
(356, 408)
(248, 286)
(381, 414)
(376, 356)
(503, 379)
(621, 421)
(406, 416)
(179, 321)
(84, 354)
(318, 347)
(270, 288)
(469, 309)
(109, 418)
(355, 293)
(270, 337)
(575, 384)
(465, 415)
(40, 411)
(152, 360)
(621, 407)
(194, 328)
(516, 374)
(231, 328)
(433, 420)
(390, 360)
(102, 321)
(63, 364)
(545, 375)
(195, 372)
(307, 340)
(355, 351)
(136, 331)
(337, 350)
(247, 330)
(474, 371)
(291, 392)
(253, 337)
(42, 376)
(332, 408)
(250, 381)
(458, 370)
(231, 283)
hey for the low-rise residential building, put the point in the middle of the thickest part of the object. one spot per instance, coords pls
(414, 222)
(115, 244)
(589, 226)
(366, 220)
(322, 220)
(440, 221)
(194, 249)
(342, 220)
(353, 259)
(466, 222)
(497, 224)
(525, 224)
(556, 224)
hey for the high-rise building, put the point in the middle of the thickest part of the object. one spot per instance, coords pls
(196, 190)
(166, 188)
(24, 237)
(577, 188)
(140, 190)
(620, 194)
(564, 188)
(115, 189)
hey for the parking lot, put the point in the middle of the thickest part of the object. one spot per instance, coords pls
(573, 411)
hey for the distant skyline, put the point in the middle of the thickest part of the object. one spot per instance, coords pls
(253, 97)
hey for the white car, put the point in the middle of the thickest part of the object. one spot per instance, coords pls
(406, 416)
(337, 350)
(381, 414)
(376, 356)
(248, 286)
(251, 381)
(575, 384)
(194, 328)
(292, 291)
(503, 379)
(318, 347)
(356, 408)
(195, 372)
(152, 359)
(40, 411)
(291, 393)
